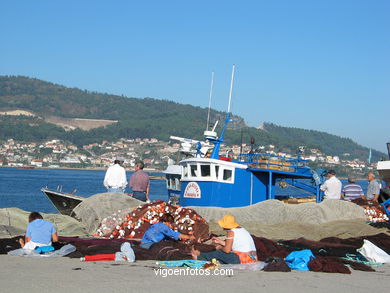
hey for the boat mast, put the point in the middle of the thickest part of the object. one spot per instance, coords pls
(217, 142)
(211, 94)
(231, 89)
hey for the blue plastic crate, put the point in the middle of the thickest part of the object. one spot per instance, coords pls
(385, 205)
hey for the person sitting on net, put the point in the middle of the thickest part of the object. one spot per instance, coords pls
(238, 247)
(39, 232)
(161, 231)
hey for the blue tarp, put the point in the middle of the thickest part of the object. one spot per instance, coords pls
(183, 263)
(299, 260)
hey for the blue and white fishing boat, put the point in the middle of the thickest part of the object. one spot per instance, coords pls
(383, 168)
(250, 178)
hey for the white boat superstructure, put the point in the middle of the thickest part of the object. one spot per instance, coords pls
(383, 168)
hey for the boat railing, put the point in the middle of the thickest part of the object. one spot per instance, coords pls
(273, 162)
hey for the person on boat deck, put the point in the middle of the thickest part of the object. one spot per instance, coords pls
(373, 189)
(115, 178)
(238, 247)
(39, 232)
(162, 230)
(140, 183)
(352, 190)
(332, 186)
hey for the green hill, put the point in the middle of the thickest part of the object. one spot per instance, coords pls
(136, 117)
(328, 143)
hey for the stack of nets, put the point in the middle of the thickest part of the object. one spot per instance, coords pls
(134, 223)
(375, 214)
(373, 211)
(13, 222)
(92, 210)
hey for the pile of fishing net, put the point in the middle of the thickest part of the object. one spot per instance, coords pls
(375, 214)
(13, 222)
(92, 210)
(373, 211)
(133, 223)
(277, 220)
(273, 212)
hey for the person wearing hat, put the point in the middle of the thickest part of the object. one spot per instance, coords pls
(115, 178)
(352, 190)
(332, 186)
(238, 247)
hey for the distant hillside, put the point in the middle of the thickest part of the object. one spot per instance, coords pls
(145, 117)
(328, 143)
(46, 98)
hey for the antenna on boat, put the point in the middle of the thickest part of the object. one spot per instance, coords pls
(215, 126)
(217, 141)
(231, 88)
(210, 134)
(211, 94)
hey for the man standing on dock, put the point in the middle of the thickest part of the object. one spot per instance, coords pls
(140, 183)
(332, 186)
(373, 189)
(352, 191)
(115, 179)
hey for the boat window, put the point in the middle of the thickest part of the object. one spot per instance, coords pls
(205, 170)
(216, 171)
(168, 180)
(178, 183)
(185, 171)
(227, 175)
(194, 169)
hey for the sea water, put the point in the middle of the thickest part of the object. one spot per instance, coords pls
(21, 188)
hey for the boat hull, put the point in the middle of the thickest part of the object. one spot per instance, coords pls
(63, 202)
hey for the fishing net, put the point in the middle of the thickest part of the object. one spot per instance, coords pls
(272, 212)
(272, 219)
(14, 222)
(277, 220)
(374, 212)
(94, 209)
(134, 223)
(163, 250)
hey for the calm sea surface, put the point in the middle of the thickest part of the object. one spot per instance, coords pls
(21, 188)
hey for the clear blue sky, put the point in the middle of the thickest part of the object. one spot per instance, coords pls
(321, 65)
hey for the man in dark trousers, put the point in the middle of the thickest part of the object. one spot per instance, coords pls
(140, 183)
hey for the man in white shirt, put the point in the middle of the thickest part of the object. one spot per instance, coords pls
(115, 179)
(332, 186)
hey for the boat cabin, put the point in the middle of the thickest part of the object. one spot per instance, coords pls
(249, 180)
(172, 175)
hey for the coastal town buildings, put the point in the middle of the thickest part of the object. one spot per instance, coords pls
(55, 153)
